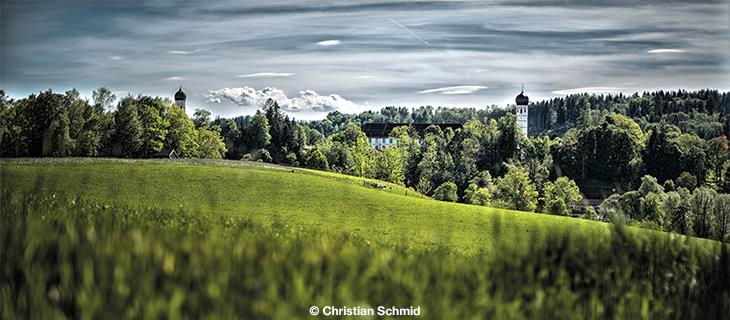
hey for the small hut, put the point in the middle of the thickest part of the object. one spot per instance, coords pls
(165, 154)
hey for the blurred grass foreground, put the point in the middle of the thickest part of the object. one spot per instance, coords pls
(71, 258)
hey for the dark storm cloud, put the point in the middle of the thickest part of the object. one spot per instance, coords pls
(470, 53)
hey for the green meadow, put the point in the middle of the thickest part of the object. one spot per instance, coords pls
(88, 239)
(322, 201)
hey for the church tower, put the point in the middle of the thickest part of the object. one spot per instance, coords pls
(521, 110)
(180, 97)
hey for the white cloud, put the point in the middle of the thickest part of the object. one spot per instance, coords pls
(265, 75)
(116, 58)
(175, 78)
(455, 90)
(590, 90)
(666, 51)
(179, 52)
(364, 77)
(329, 43)
(308, 100)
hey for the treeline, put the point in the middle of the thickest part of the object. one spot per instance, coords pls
(61, 125)
(700, 212)
(705, 113)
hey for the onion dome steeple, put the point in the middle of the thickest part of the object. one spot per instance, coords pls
(522, 99)
(180, 95)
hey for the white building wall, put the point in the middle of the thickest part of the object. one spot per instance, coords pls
(381, 143)
(521, 112)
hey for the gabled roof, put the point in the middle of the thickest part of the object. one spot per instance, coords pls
(165, 153)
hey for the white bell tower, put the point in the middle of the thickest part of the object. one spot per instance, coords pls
(521, 110)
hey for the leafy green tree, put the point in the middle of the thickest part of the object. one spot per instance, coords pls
(42, 126)
(652, 210)
(316, 159)
(608, 152)
(211, 144)
(409, 146)
(446, 192)
(476, 195)
(104, 104)
(201, 118)
(232, 137)
(516, 190)
(257, 134)
(509, 137)
(388, 165)
(678, 211)
(649, 184)
(437, 165)
(339, 157)
(9, 128)
(722, 217)
(103, 99)
(703, 207)
(725, 186)
(687, 180)
(129, 133)
(560, 195)
(717, 156)
(662, 154)
(466, 145)
(154, 127)
(357, 146)
(181, 134)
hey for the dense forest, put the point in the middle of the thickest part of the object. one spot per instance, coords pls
(660, 159)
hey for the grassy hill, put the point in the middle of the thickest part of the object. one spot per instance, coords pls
(87, 239)
(322, 201)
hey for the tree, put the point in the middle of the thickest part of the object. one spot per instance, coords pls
(409, 146)
(201, 118)
(281, 131)
(608, 152)
(437, 165)
(154, 127)
(560, 195)
(388, 165)
(516, 190)
(725, 186)
(722, 217)
(128, 135)
(466, 145)
(211, 144)
(477, 196)
(181, 134)
(717, 156)
(257, 134)
(103, 99)
(316, 159)
(652, 210)
(446, 192)
(358, 149)
(703, 207)
(649, 184)
(687, 180)
(678, 211)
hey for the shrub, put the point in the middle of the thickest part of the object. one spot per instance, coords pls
(446, 192)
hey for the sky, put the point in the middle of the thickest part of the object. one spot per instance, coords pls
(314, 57)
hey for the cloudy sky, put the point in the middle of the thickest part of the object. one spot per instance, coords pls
(318, 56)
